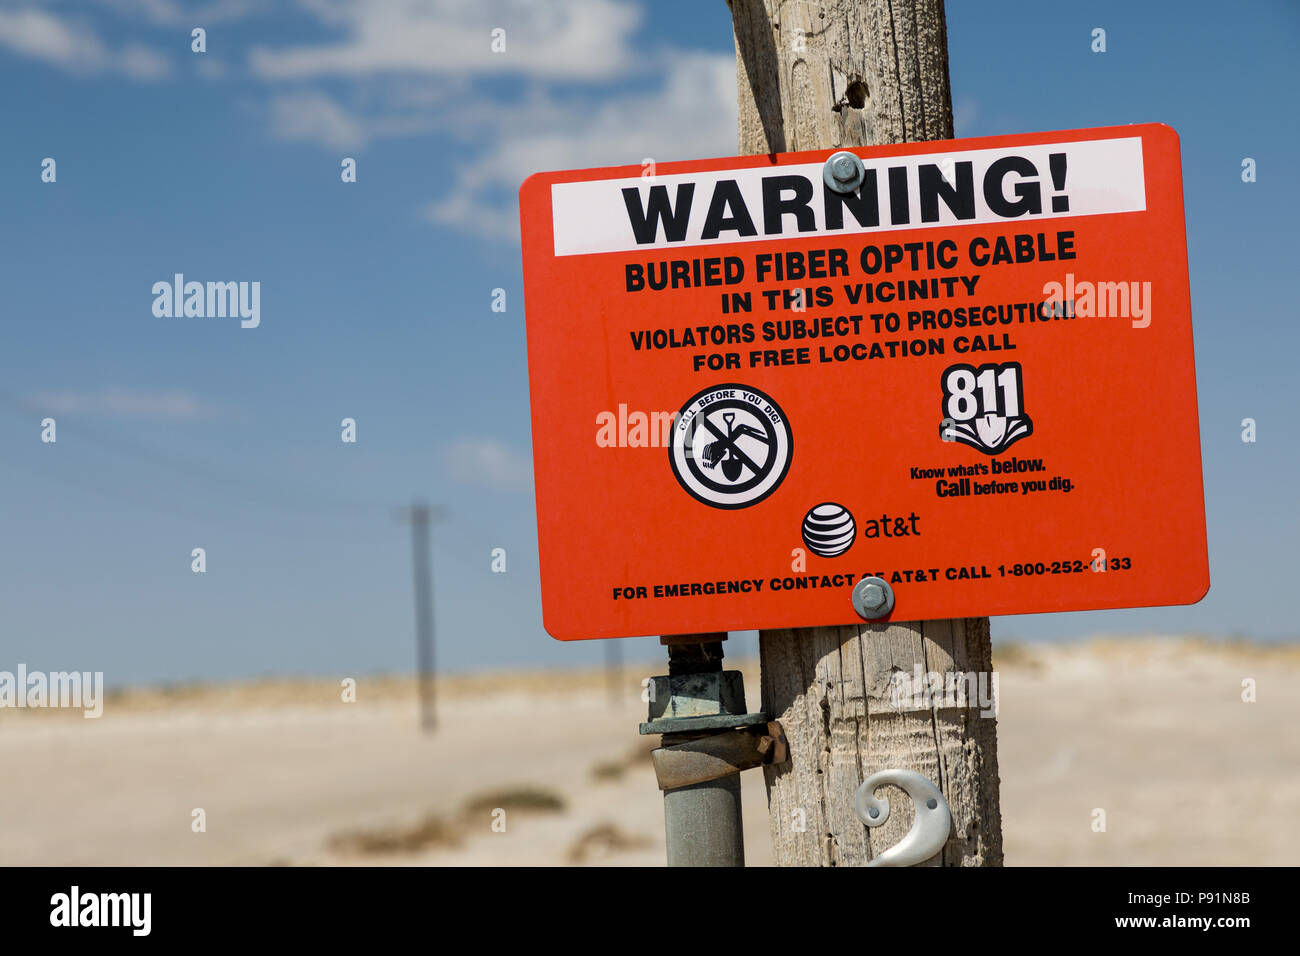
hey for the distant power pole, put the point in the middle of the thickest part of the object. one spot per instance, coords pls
(614, 673)
(420, 516)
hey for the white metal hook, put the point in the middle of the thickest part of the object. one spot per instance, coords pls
(930, 828)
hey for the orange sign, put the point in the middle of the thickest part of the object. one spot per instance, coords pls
(964, 367)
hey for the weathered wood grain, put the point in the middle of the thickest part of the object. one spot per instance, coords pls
(819, 75)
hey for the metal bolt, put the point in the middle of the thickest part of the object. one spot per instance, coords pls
(843, 172)
(873, 598)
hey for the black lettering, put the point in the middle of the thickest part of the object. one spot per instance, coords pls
(865, 204)
(645, 222)
(899, 208)
(1029, 196)
(775, 207)
(960, 198)
(726, 196)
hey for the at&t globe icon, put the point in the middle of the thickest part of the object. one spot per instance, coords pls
(829, 530)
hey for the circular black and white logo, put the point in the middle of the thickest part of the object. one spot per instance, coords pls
(829, 529)
(731, 446)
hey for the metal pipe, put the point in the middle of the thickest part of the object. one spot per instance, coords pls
(703, 823)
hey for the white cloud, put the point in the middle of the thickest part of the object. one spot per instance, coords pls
(123, 403)
(142, 63)
(170, 13)
(573, 39)
(404, 67)
(475, 215)
(311, 115)
(688, 112)
(73, 46)
(482, 461)
(210, 67)
(315, 117)
(964, 114)
(691, 115)
(44, 36)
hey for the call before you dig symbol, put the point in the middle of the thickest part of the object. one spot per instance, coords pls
(829, 529)
(731, 446)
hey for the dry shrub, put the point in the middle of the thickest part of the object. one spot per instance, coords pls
(605, 839)
(428, 832)
(518, 799)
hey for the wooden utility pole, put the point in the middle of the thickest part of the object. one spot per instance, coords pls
(824, 75)
(420, 516)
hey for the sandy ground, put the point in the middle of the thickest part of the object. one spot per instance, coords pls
(1152, 731)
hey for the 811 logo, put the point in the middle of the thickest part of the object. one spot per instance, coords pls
(986, 406)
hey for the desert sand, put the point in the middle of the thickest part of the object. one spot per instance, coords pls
(1152, 730)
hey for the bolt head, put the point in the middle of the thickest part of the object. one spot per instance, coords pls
(843, 172)
(872, 598)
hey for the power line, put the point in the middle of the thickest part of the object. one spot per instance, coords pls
(255, 491)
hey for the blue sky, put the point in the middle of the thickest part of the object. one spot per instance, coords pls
(176, 434)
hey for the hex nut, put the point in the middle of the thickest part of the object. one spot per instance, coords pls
(843, 172)
(873, 598)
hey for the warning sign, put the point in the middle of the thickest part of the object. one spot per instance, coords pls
(964, 367)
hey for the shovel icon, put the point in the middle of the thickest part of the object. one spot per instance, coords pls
(731, 465)
(992, 428)
(716, 452)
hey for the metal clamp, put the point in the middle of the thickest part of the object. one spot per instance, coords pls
(930, 828)
(696, 703)
(719, 755)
